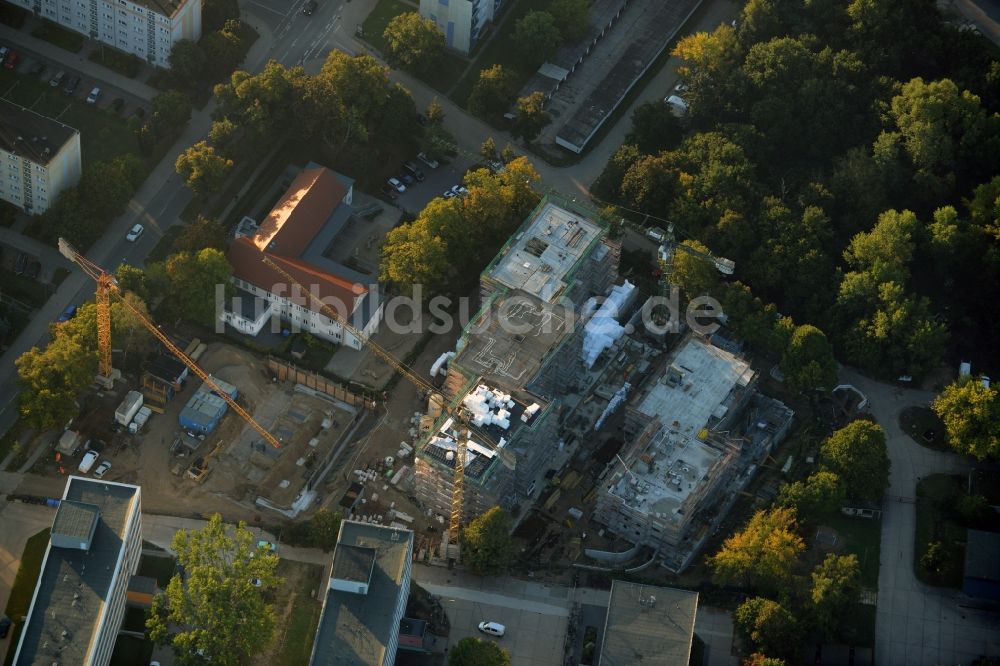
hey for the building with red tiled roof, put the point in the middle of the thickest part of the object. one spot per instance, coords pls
(297, 235)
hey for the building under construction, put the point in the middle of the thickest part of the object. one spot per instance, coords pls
(558, 259)
(696, 433)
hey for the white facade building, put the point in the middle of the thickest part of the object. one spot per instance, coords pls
(146, 28)
(39, 158)
(461, 21)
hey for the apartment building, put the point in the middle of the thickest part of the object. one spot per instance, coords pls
(300, 235)
(519, 346)
(146, 28)
(39, 158)
(461, 21)
(365, 597)
(79, 600)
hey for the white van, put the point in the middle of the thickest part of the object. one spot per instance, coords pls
(492, 628)
(89, 458)
(657, 234)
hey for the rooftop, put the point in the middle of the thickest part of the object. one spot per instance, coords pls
(74, 584)
(648, 625)
(664, 473)
(165, 7)
(544, 251)
(696, 387)
(76, 522)
(509, 340)
(355, 628)
(353, 563)
(31, 135)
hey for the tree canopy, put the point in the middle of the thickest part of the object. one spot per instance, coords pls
(820, 494)
(414, 41)
(192, 283)
(770, 626)
(486, 544)
(835, 585)
(808, 362)
(217, 609)
(472, 651)
(493, 93)
(51, 380)
(971, 415)
(857, 454)
(536, 38)
(763, 553)
(203, 169)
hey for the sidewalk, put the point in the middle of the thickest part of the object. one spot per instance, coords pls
(22, 39)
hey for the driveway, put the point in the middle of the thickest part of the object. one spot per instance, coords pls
(916, 623)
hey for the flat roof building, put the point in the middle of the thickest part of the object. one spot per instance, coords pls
(40, 158)
(648, 625)
(694, 431)
(79, 600)
(366, 596)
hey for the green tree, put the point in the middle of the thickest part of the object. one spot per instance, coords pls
(836, 583)
(472, 651)
(51, 379)
(191, 284)
(132, 279)
(857, 454)
(763, 553)
(187, 64)
(695, 275)
(215, 13)
(434, 112)
(770, 626)
(416, 253)
(654, 128)
(203, 232)
(973, 510)
(971, 416)
(171, 110)
(324, 528)
(536, 38)
(214, 612)
(493, 93)
(223, 52)
(885, 252)
(820, 494)
(530, 116)
(263, 104)
(487, 548)
(488, 151)
(757, 659)
(203, 169)
(413, 41)
(572, 17)
(224, 134)
(105, 189)
(808, 362)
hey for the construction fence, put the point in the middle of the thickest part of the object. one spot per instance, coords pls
(285, 371)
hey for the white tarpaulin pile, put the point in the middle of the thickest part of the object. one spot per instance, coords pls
(603, 329)
(489, 407)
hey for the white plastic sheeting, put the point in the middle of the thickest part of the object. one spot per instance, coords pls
(489, 407)
(616, 401)
(603, 329)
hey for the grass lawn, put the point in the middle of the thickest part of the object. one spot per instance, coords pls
(443, 75)
(298, 613)
(160, 568)
(103, 135)
(125, 64)
(860, 536)
(24, 586)
(498, 51)
(924, 427)
(130, 650)
(61, 37)
(937, 521)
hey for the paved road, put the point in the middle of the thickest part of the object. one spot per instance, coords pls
(916, 623)
(297, 39)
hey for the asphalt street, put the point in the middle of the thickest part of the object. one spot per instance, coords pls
(297, 39)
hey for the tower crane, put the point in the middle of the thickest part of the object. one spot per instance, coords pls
(670, 245)
(459, 416)
(107, 286)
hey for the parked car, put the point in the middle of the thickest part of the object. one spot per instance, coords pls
(57, 79)
(459, 190)
(310, 7)
(10, 62)
(89, 458)
(3, 52)
(5, 625)
(94, 95)
(657, 234)
(102, 469)
(680, 88)
(405, 177)
(448, 194)
(492, 628)
(266, 545)
(256, 582)
(67, 314)
(677, 105)
(433, 164)
(389, 191)
(396, 185)
(117, 105)
(72, 85)
(412, 169)
(134, 233)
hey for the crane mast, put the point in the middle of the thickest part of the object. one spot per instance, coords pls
(107, 285)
